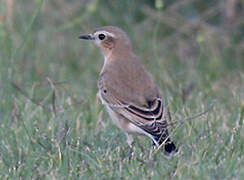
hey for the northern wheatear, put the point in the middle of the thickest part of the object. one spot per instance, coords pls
(128, 91)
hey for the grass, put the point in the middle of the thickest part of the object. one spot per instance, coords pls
(51, 125)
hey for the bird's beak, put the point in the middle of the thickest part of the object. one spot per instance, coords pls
(87, 37)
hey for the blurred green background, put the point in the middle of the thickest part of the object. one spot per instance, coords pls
(53, 127)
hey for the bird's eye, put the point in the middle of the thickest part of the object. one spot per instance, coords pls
(101, 36)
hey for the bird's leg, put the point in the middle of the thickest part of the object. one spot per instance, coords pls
(154, 146)
(130, 142)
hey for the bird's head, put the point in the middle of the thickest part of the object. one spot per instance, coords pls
(109, 39)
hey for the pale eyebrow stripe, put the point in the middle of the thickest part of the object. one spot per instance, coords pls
(104, 32)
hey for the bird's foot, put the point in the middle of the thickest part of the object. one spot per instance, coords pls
(130, 152)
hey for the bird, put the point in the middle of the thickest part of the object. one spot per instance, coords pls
(132, 99)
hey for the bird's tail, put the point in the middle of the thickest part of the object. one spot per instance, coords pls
(169, 145)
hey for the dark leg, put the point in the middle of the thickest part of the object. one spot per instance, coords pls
(130, 142)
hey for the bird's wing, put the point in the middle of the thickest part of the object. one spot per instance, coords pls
(151, 118)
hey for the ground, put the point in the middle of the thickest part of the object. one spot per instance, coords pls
(52, 126)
